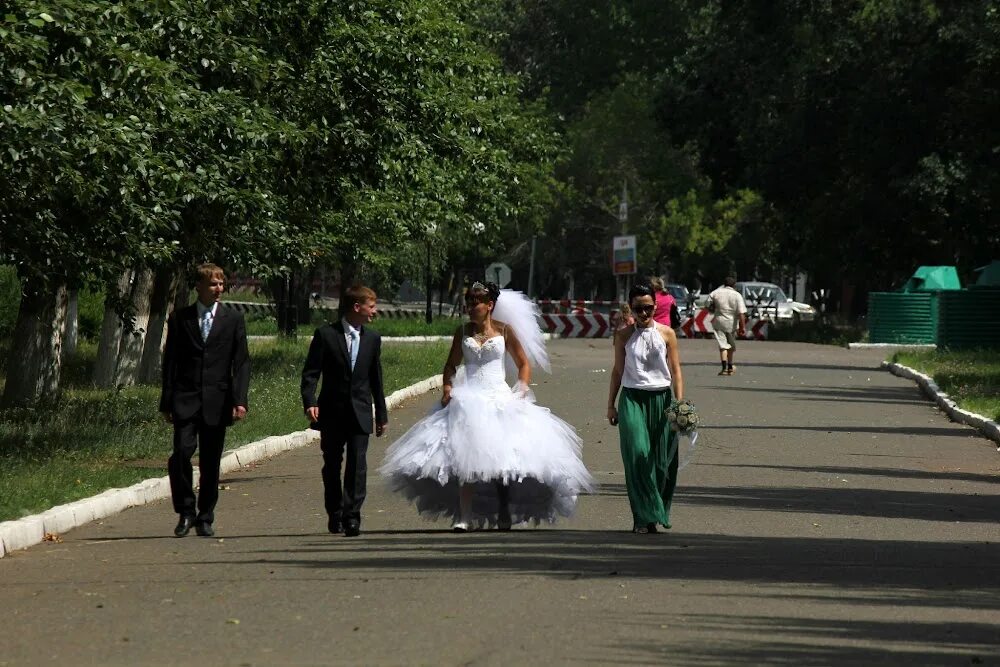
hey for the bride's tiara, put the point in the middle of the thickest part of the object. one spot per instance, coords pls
(478, 286)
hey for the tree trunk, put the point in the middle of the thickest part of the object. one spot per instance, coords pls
(111, 332)
(71, 334)
(161, 304)
(132, 342)
(303, 296)
(35, 361)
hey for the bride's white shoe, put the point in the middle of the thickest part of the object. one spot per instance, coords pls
(460, 526)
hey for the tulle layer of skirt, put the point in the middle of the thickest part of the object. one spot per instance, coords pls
(485, 437)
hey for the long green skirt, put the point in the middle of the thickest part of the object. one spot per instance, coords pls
(649, 452)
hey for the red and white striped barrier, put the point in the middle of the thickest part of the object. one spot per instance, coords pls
(701, 323)
(597, 325)
(593, 325)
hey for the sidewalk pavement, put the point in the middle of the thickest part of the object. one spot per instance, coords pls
(831, 516)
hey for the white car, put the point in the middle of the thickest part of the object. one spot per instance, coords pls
(768, 301)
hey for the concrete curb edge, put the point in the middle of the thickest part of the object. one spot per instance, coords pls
(986, 426)
(31, 530)
(891, 346)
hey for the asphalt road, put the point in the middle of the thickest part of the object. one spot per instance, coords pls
(831, 516)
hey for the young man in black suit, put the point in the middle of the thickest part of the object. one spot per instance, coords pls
(206, 378)
(348, 356)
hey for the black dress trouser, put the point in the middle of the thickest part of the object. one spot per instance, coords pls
(344, 502)
(189, 435)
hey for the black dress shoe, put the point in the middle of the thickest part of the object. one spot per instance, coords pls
(352, 528)
(184, 526)
(334, 525)
(204, 529)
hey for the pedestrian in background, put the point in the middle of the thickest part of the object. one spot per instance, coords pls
(729, 321)
(621, 318)
(666, 312)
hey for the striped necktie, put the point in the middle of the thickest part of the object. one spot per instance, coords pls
(206, 324)
(354, 347)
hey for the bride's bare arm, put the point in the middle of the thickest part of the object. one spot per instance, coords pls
(451, 364)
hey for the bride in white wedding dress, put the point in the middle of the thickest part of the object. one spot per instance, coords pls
(488, 454)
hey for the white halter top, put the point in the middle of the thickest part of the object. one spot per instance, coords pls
(646, 361)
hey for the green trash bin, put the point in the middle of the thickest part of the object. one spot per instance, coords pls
(932, 278)
(911, 315)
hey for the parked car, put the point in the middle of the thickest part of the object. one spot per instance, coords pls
(685, 300)
(768, 301)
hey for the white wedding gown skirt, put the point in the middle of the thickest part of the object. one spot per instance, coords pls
(489, 434)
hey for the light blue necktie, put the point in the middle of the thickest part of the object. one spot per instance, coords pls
(354, 347)
(206, 324)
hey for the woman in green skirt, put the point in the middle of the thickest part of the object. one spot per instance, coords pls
(648, 372)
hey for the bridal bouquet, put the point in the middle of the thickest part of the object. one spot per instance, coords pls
(683, 417)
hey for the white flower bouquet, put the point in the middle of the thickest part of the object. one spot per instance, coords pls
(683, 417)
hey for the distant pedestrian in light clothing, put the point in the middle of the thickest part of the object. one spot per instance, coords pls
(348, 356)
(206, 378)
(620, 319)
(729, 321)
(647, 371)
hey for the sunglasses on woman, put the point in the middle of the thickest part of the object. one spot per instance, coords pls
(644, 310)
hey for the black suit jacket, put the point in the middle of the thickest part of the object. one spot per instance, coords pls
(344, 391)
(207, 378)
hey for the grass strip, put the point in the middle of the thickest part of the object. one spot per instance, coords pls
(970, 377)
(94, 440)
(266, 325)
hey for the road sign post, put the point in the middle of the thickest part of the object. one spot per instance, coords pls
(499, 273)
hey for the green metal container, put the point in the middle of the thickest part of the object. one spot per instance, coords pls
(969, 318)
(933, 278)
(903, 317)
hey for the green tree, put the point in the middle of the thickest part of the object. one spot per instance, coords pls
(869, 126)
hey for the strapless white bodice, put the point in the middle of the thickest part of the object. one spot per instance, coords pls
(484, 364)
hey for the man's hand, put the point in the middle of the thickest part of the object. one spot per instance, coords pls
(380, 429)
(613, 416)
(239, 412)
(313, 413)
(167, 417)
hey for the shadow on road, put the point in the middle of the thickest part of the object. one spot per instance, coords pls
(873, 472)
(886, 503)
(783, 640)
(749, 365)
(894, 395)
(877, 572)
(956, 431)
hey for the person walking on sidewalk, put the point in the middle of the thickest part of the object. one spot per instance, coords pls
(206, 378)
(348, 356)
(729, 321)
(647, 370)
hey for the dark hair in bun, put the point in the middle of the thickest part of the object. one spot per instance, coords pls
(489, 290)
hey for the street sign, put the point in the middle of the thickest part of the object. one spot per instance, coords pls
(623, 260)
(499, 273)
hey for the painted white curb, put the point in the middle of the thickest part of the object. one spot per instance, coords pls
(31, 530)
(987, 426)
(894, 346)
